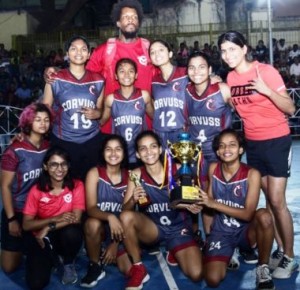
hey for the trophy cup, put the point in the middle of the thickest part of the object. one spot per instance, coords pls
(145, 200)
(185, 151)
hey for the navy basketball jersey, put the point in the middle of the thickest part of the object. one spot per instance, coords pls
(110, 196)
(169, 101)
(208, 115)
(26, 160)
(128, 118)
(70, 95)
(232, 193)
(159, 210)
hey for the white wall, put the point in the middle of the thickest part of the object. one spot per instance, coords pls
(14, 23)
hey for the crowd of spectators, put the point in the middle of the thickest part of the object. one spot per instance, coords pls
(286, 58)
(21, 76)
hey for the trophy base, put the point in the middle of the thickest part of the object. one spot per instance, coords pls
(184, 194)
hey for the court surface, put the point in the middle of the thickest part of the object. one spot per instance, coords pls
(164, 277)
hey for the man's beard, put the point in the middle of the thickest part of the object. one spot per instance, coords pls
(129, 35)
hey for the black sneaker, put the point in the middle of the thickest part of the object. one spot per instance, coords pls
(94, 273)
(249, 256)
(263, 278)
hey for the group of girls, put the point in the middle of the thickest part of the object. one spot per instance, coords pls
(183, 100)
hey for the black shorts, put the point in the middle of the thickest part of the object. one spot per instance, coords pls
(9, 242)
(271, 157)
(83, 156)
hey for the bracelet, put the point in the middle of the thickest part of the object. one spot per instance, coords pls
(11, 219)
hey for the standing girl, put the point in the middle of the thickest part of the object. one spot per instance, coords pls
(21, 165)
(127, 106)
(208, 109)
(260, 98)
(76, 98)
(168, 92)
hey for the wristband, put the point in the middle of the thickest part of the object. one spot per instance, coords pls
(52, 226)
(11, 219)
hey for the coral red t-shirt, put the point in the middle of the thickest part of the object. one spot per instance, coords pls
(261, 118)
(44, 205)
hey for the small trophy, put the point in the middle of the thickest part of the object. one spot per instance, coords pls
(145, 200)
(185, 151)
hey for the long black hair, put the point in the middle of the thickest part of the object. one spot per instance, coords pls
(123, 144)
(234, 37)
(44, 181)
(239, 137)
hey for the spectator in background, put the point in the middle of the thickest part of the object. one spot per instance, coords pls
(294, 52)
(196, 47)
(261, 51)
(282, 48)
(59, 58)
(23, 94)
(182, 55)
(215, 60)
(295, 68)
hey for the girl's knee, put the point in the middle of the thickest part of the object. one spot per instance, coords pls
(264, 218)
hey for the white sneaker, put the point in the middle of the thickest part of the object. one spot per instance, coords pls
(275, 259)
(285, 268)
(263, 278)
(234, 263)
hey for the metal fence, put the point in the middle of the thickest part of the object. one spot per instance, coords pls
(9, 117)
(254, 31)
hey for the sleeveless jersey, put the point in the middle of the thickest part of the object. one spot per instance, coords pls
(129, 118)
(169, 101)
(159, 210)
(110, 196)
(232, 193)
(208, 115)
(70, 95)
(26, 161)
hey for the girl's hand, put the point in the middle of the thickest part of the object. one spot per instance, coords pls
(194, 208)
(90, 113)
(68, 217)
(259, 85)
(109, 256)
(40, 236)
(205, 199)
(138, 193)
(15, 228)
(116, 229)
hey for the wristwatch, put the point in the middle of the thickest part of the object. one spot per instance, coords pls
(52, 226)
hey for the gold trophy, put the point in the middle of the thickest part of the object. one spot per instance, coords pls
(185, 151)
(145, 200)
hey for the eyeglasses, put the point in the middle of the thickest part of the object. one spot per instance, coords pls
(54, 165)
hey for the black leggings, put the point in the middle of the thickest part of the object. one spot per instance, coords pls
(65, 242)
